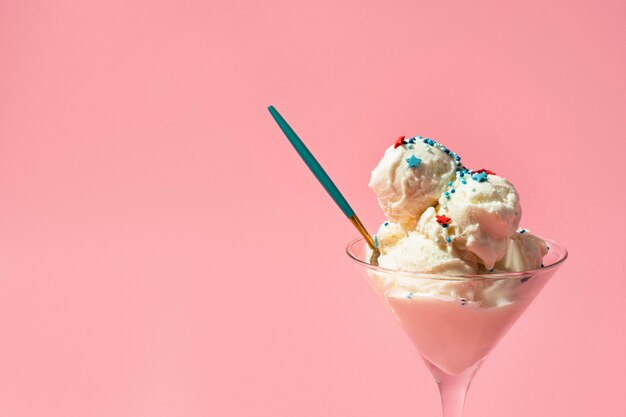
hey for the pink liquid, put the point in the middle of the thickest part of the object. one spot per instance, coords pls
(452, 336)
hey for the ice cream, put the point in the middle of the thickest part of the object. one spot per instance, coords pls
(445, 218)
(415, 252)
(485, 213)
(411, 177)
(524, 252)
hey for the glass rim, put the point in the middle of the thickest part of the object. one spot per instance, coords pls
(500, 275)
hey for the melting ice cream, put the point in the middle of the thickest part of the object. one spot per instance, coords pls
(445, 218)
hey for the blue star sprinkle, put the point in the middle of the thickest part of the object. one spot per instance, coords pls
(414, 162)
(375, 241)
(481, 177)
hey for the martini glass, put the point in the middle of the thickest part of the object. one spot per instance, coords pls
(454, 321)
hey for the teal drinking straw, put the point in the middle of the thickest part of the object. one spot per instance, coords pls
(321, 175)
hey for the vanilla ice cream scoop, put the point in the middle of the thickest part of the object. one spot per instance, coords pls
(524, 252)
(484, 212)
(413, 252)
(411, 176)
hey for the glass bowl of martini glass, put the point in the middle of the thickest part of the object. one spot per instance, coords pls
(455, 321)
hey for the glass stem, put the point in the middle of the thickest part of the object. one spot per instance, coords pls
(453, 389)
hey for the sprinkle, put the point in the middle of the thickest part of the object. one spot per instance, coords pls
(450, 184)
(491, 270)
(443, 220)
(412, 140)
(375, 241)
(480, 177)
(457, 157)
(453, 191)
(463, 182)
(548, 247)
(409, 295)
(386, 224)
(463, 301)
(398, 142)
(521, 232)
(448, 239)
(414, 162)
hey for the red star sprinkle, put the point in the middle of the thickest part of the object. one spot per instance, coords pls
(398, 142)
(443, 219)
(486, 171)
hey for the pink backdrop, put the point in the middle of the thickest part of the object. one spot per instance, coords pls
(164, 253)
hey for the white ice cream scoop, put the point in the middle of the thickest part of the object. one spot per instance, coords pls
(484, 213)
(411, 176)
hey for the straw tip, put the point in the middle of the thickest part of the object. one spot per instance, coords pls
(271, 108)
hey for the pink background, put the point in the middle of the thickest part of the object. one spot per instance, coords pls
(163, 252)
